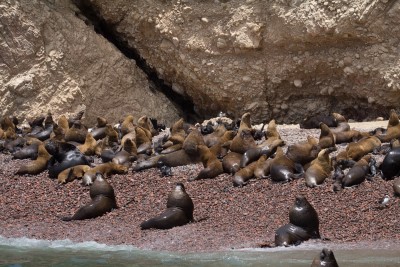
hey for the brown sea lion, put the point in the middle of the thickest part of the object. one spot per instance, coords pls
(342, 124)
(243, 175)
(358, 173)
(179, 211)
(76, 133)
(127, 125)
(303, 214)
(143, 141)
(214, 137)
(356, 150)
(88, 148)
(325, 259)
(127, 155)
(349, 136)
(326, 138)
(231, 162)
(72, 173)
(221, 148)
(262, 169)
(320, 168)
(282, 169)
(192, 141)
(212, 165)
(243, 141)
(145, 123)
(111, 135)
(245, 122)
(103, 201)
(254, 154)
(393, 128)
(272, 133)
(36, 166)
(105, 169)
(171, 149)
(178, 133)
(303, 152)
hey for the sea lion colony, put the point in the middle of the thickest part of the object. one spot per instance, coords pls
(70, 150)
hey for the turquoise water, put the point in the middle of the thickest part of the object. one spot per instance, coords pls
(15, 252)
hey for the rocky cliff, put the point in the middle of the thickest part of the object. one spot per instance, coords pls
(282, 59)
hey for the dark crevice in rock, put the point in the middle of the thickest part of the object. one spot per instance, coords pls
(107, 30)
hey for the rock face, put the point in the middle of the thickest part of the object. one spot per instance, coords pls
(281, 59)
(51, 60)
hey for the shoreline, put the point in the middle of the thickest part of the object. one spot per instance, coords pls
(228, 217)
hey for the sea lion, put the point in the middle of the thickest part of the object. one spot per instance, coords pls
(143, 141)
(27, 152)
(231, 162)
(245, 122)
(271, 134)
(262, 169)
(243, 141)
(342, 124)
(36, 166)
(390, 165)
(283, 169)
(127, 155)
(12, 145)
(243, 175)
(303, 214)
(313, 122)
(221, 148)
(48, 128)
(349, 136)
(75, 117)
(72, 173)
(88, 148)
(103, 201)
(212, 165)
(326, 259)
(179, 211)
(76, 133)
(356, 150)
(178, 133)
(105, 169)
(254, 154)
(145, 123)
(111, 135)
(303, 152)
(192, 141)
(64, 156)
(358, 172)
(127, 125)
(320, 168)
(392, 129)
(396, 186)
(290, 234)
(214, 137)
(326, 138)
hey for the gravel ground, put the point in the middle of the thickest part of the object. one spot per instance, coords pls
(227, 217)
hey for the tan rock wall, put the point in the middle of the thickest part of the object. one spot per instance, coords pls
(51, 60)
(277, 59)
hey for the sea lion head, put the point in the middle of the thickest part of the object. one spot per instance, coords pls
(327, 257)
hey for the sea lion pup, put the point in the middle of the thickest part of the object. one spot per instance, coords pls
(390, 165)
(64, 156)
(72, 173)
(89, 146)
(342, 124)
(243, 141)
(325, 259)
(212, 165)
(392, 129)
(303, 224)
(283, 169)
(231, 162)
(76, 133)
(358, 172)
(303, 152)
(242, 176)
(36, 166)
(254, 154)
(320, 168)
(103, 201)
(314, 121)
(179, 211)
(326, 138)
(105, 169)
(356, 150)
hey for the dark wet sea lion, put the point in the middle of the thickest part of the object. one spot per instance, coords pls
(231, 162)
(290, 234)
(212, 165)
(103, 201)
(254, 154)
(325, 259)
(314, 121)
(180, 198)
(390, 165)
(320, 168)
(36, 166)
(303, 214)
(396, 186)
(358, 173)
(27, 152)
(12, 145)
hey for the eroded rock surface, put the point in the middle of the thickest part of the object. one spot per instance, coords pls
(50, 59)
